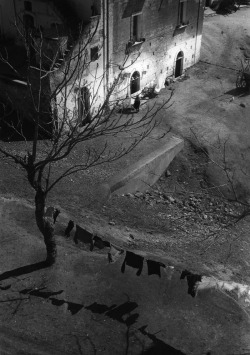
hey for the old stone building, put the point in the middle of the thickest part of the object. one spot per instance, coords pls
(165, 35)
(143, 42)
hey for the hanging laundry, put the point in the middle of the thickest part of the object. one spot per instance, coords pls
(56, 214)
(169, 270)
(192, 280)
(133, 260)
(114, 253)
(69, 228)
(83, 236)
(154, 267)
(100, 243)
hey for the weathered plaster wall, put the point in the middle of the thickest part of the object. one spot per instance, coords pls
(163, 41)
(92, 77)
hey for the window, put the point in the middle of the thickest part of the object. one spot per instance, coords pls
(94, 54)
(183, 12)
(136, 27)
(27, 6)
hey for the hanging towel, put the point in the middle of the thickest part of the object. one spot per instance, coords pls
(133, 260)
(114, 253)
(169, 270)
(154, 267)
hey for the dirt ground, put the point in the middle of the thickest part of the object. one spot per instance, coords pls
(182, 221)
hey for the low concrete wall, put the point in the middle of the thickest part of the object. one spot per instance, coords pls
(144, 173)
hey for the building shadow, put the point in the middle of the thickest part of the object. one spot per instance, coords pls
(238, 92)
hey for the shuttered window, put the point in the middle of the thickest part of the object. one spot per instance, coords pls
(183, 12)
(137, 27)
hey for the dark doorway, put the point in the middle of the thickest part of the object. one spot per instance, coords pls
(179, 64)
(84, 106)
(135, 82)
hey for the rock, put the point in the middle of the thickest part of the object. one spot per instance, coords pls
(138, 194)
(112, 223)
(205, 216)
(167, 173)
(130, 195)
(242, 105)
(131, 236)
(171, 199)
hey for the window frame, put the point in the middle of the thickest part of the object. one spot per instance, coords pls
(182, 13)
(136, 27)
(94, 53)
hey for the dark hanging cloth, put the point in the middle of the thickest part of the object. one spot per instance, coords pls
(100, 243)
(56, 214)
(192, 280)
(69, 228)
(133, 260)
(154, 267)
(83, 236)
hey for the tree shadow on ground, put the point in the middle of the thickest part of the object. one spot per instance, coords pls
(117, 312)
(238, 92)
(127, 110)
(158, 347)
(23, 270)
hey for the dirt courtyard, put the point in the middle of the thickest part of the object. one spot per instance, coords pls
(86, 305)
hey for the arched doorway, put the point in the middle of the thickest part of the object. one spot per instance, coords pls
(179, 64)
(84, 106)
(135, 82)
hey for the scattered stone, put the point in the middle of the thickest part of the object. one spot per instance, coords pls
(131, 236)
(138, 194)
(171, 199)
(130, 195)
(167, 173)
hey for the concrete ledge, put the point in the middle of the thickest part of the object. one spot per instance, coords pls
(145, 172)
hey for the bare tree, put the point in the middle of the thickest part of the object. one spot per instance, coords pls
(51, 83)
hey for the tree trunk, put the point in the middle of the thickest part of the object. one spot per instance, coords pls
(45, 224)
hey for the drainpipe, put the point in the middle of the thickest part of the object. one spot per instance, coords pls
(105, 7)
(197, 28)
